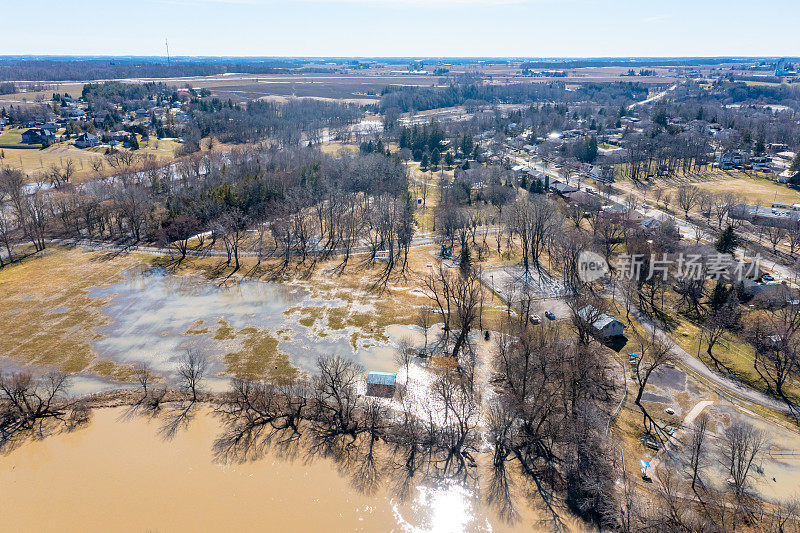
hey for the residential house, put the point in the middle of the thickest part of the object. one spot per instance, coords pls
(381, 384)
(561, 188)
(649, 224)
(761, 163)
(790, 176)
(38, 136)
(603, 325)
(730, 160)
(86, 140)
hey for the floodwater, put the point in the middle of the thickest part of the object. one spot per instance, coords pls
(776, 474)
(152, 312)
(120, 475)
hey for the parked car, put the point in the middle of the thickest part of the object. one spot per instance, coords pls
(768, 277)
(550, 315)
(535, 319)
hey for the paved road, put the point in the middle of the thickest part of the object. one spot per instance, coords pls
(654, 98)
(725, 385)
(687, 228)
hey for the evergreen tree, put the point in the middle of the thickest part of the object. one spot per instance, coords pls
(795, 163)
(467, 144)
(728, 241)
(449, 159)
(465, 265)
(436, 157)
(719, 296)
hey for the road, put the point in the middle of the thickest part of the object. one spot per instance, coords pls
(686, 228)
(654, 98)
(722, 384)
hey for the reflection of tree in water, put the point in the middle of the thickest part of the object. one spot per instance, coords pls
(326, 417)
(36, 407)
(541, 428)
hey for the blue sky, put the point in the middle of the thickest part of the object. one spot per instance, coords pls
(527, 28)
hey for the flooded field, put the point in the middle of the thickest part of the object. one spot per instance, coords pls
(138, 482)
(155, 317)
(776, 474)
(97, 316)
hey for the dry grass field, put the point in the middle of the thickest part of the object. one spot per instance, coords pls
(36, 162)
(752, 187)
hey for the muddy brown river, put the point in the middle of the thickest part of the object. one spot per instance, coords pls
(119, 475)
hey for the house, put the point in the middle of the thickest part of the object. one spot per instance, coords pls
(600, 174)
(561, 188)
(649, 224)
(86, 140)
(790, 176)
(761, 163)
(729, 160)
(119, 136)
(51, 127)
(536, 175)
(38, 136)
(603, 325)
(381, 384)
(777, 147)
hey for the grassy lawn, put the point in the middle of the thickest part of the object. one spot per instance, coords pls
(732, 351)
(47, 314)
(11, 136)
(36, 162)
(753, 187)
(72, 89)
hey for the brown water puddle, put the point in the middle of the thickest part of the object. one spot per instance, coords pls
(121, 476)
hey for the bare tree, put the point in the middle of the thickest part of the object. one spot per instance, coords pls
(652, 355)
(687, 197)
(425, 321)
(192, 370)
(742, 446)
(698, 448)
(31, 405)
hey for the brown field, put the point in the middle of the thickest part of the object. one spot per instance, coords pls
(752, 187)
(36, 162)
(71, 88)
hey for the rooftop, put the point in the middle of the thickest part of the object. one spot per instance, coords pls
(381, 378)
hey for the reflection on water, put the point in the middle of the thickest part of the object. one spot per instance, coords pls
(151, 312)
(447, 508)
(119, 475)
